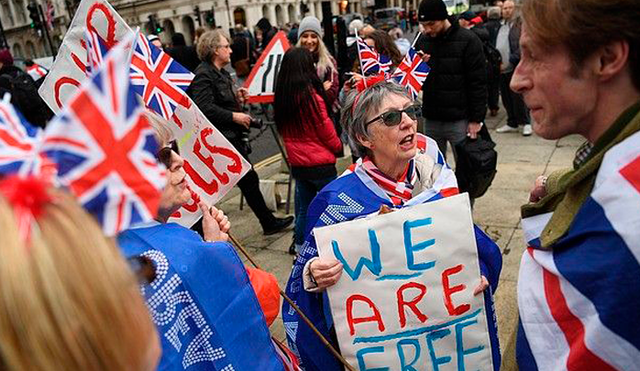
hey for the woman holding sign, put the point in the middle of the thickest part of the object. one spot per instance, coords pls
(307, 130)
(398, 167)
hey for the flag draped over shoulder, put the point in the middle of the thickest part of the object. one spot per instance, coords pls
(105, 148)
(582, 290)
(412, 72)
(202, 303)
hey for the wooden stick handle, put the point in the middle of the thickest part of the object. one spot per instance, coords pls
(297, 309)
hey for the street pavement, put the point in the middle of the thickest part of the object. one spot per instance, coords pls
(520, 161)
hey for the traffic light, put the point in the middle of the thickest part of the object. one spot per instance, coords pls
(34, 14)
(196, 10)
(154, 25)
(209, 18)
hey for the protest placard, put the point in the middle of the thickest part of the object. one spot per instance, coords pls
(405, 299)
(69, 67)
(212, 164)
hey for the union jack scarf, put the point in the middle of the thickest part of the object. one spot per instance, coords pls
(399, 191)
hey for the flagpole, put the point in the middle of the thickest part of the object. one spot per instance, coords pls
(413, 44)
(296, 308)
(360, 60)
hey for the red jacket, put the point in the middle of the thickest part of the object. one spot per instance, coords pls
(314, 147)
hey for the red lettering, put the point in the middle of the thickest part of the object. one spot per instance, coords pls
(110, 40)
(352, 321)
(58, 85)
(236, 164)
(192, 206)
(460, 309)
(412, 303)
(208, 187)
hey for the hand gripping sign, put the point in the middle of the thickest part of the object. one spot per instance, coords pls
(68, 70)
(261, 82)
(405, 299)
(212, 164)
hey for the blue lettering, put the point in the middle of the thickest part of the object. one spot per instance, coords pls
(410, 248)
(374, 265)
(403, 363)
(431, 337)
(460, 346)
(360, 356)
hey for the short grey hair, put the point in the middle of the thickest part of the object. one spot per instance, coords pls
(494, 12)
(208, 43)
(359, 108)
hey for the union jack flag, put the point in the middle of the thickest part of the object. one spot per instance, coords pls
(105, 149)
(19, 145)
(412, 72)
(96, 50)
(158, 79)
(369, 58)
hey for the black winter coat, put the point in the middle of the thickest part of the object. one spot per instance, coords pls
(456, 88)
(213, 92)
(185, 55)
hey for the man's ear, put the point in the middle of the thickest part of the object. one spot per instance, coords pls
(613, 59)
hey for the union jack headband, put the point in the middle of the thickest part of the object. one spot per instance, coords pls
(364, 84)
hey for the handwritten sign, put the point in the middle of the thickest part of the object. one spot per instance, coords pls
(405, 299)
(69, 67)
(212, 164)
(261, 82)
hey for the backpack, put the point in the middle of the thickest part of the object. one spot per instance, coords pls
(476, 164)
(25, 97)
(494, 59)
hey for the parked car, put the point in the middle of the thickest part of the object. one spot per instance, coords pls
(387, 18)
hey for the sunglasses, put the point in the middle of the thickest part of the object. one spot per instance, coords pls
(394, 117)
(164, 154)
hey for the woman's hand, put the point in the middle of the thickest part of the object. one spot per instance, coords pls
(484, 283)
(215, 224)
(326, 272)
(327, 85)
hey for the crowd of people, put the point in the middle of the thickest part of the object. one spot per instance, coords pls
(73, 299)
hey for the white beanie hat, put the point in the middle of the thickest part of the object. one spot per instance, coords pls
(310, 23)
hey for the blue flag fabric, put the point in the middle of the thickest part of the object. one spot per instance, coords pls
(202, 302)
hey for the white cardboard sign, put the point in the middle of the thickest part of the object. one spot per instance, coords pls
(212, 164)
(68, 69)
(405, 299)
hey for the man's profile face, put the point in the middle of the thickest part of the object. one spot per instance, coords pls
(223, 51)
(561, 97)
(433, 28)
(507, 9)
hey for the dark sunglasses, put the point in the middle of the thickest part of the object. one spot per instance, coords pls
(164, 154)
(394, 117)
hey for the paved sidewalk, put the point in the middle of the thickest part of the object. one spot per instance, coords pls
(520, 161)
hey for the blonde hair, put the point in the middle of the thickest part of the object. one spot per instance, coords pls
(161, 127)
(324, 58)
(68, 300)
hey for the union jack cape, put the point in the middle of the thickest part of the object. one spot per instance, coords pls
(105, 148)
(412, 72)
(578, 299)
(351, 196)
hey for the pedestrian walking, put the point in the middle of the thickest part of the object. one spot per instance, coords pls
(214, 92)
(494, 58)
(577, 288)
(507, 45)
(303, 120)
(455, 92)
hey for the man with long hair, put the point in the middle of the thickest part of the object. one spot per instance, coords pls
(577, 289)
